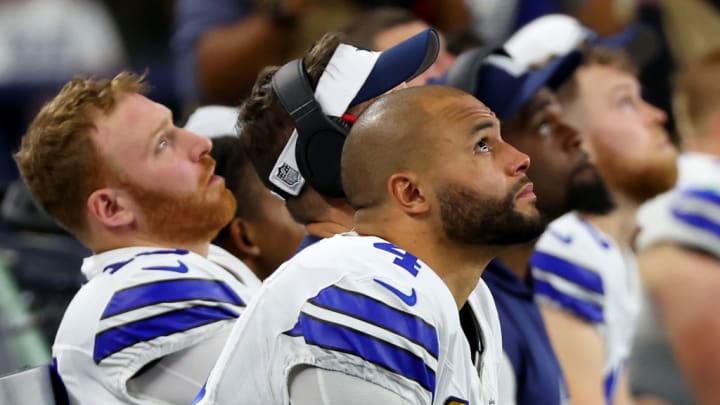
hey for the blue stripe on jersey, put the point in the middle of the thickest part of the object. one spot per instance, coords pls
(112, 268)
(586, 310)
(336, 337)
(118, 338)
(170, 291)
(611, 384)
(380, 314)
(702, 194)
(697, 221)
(200, 395)
(570, 271)
(58, 386)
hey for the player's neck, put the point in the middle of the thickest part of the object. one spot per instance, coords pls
(708, 147)
(459, 266)
(200, 248)
(337, 219)
(327, 229)
(704, 140)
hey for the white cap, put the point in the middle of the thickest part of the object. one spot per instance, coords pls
(213, 121)
(545, 38)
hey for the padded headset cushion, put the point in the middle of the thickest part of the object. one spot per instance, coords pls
(318, 155)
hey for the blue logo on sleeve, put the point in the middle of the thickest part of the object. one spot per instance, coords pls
(566, 239)
(409, 299)
(180, 268)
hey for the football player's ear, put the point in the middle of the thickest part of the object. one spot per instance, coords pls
(111, 207)
(408, 192)
(243, 236)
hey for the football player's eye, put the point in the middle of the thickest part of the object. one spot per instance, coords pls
(482, 147)
(627, 103)
(545, 129)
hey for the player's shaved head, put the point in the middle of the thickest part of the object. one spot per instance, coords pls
(396, 133)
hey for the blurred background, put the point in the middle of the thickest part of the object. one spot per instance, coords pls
(197, 52)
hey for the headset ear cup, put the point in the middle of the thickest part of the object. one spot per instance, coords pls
(320, 137)
(319, 154)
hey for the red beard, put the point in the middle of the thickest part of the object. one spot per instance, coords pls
(185, 218)
(640, 183)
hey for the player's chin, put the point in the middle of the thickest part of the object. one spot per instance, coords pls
(527, 208)
(526, 204)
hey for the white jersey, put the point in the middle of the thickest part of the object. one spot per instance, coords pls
(488, 365)
(139, 305)
(235, 266)
(690, 213)
(352, 304)
(580, 269)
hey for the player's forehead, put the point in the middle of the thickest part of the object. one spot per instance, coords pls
(465, 108)
(606, 80)
(135, 111)
(544, 102)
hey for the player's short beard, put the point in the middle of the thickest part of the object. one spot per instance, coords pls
(184, 219)
(472, 219)
(591, 196)
(640, 183)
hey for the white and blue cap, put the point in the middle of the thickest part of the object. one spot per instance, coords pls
(212, 121)
(352, 76)
(554, 35)
(503, 84)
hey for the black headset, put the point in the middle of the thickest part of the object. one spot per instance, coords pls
(320, 137)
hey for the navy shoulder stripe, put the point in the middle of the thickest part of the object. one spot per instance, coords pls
(697, 220)
(175, 290)
(706, 195)
(378, 313)
(570, 271)
(116, 339)
(589, 311)
(332, 336)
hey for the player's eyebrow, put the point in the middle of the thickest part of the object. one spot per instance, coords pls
(482, 126)
(539, 105)
(623, 87)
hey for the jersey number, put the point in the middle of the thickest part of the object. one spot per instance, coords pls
(404, 259)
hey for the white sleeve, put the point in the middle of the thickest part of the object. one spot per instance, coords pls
(178, 377)
(316, 386)
(687, 216)
(507, 386)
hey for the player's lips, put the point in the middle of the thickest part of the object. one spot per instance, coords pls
(584, 166)
(663, 139)
(666, 143)
(526, 192)
(214, 179)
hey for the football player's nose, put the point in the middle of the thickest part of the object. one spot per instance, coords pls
(199, 146)
(519, 163)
